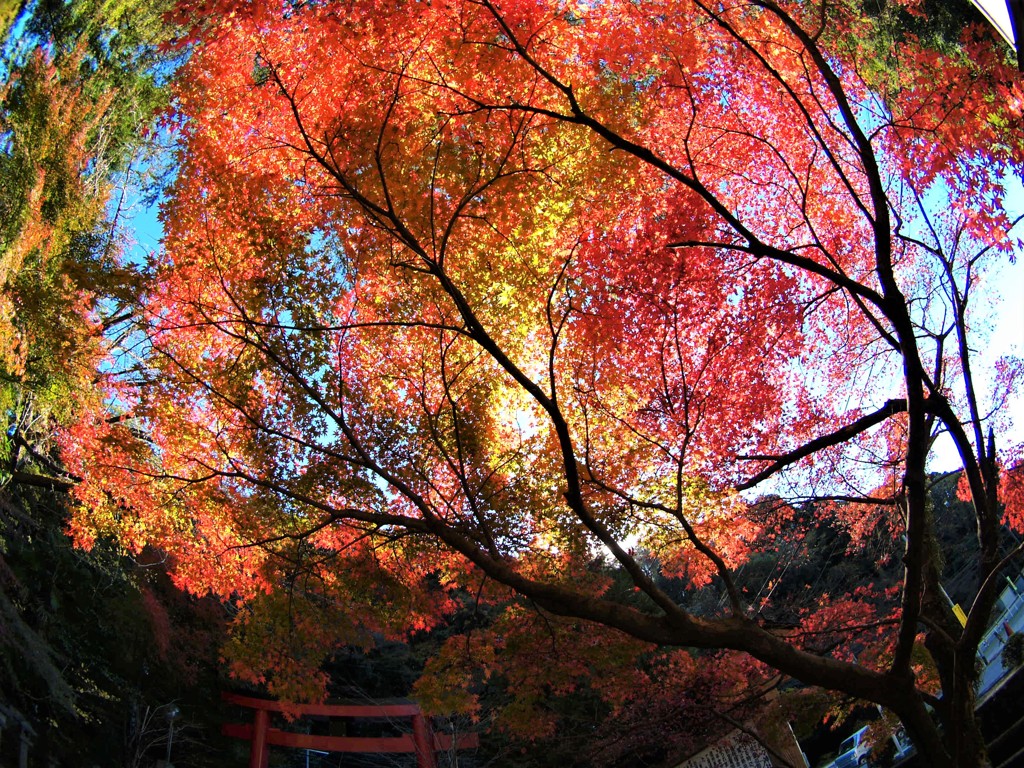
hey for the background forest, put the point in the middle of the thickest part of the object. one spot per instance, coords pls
(110, 617)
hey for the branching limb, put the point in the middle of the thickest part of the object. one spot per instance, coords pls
(838, 437)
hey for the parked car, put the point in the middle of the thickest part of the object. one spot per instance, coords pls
(854, 751)
(901, 748)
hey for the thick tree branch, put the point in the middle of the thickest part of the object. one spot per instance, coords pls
(838, 437)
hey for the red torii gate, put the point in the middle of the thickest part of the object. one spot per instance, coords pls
(422, 742)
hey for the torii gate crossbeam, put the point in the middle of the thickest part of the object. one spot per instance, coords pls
(420, 742)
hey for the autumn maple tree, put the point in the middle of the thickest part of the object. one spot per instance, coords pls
(457, 298)
(92, 645)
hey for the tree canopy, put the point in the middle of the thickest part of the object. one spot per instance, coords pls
(460, 298)
(93, 645)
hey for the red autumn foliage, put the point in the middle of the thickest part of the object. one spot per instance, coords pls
(476, 292)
